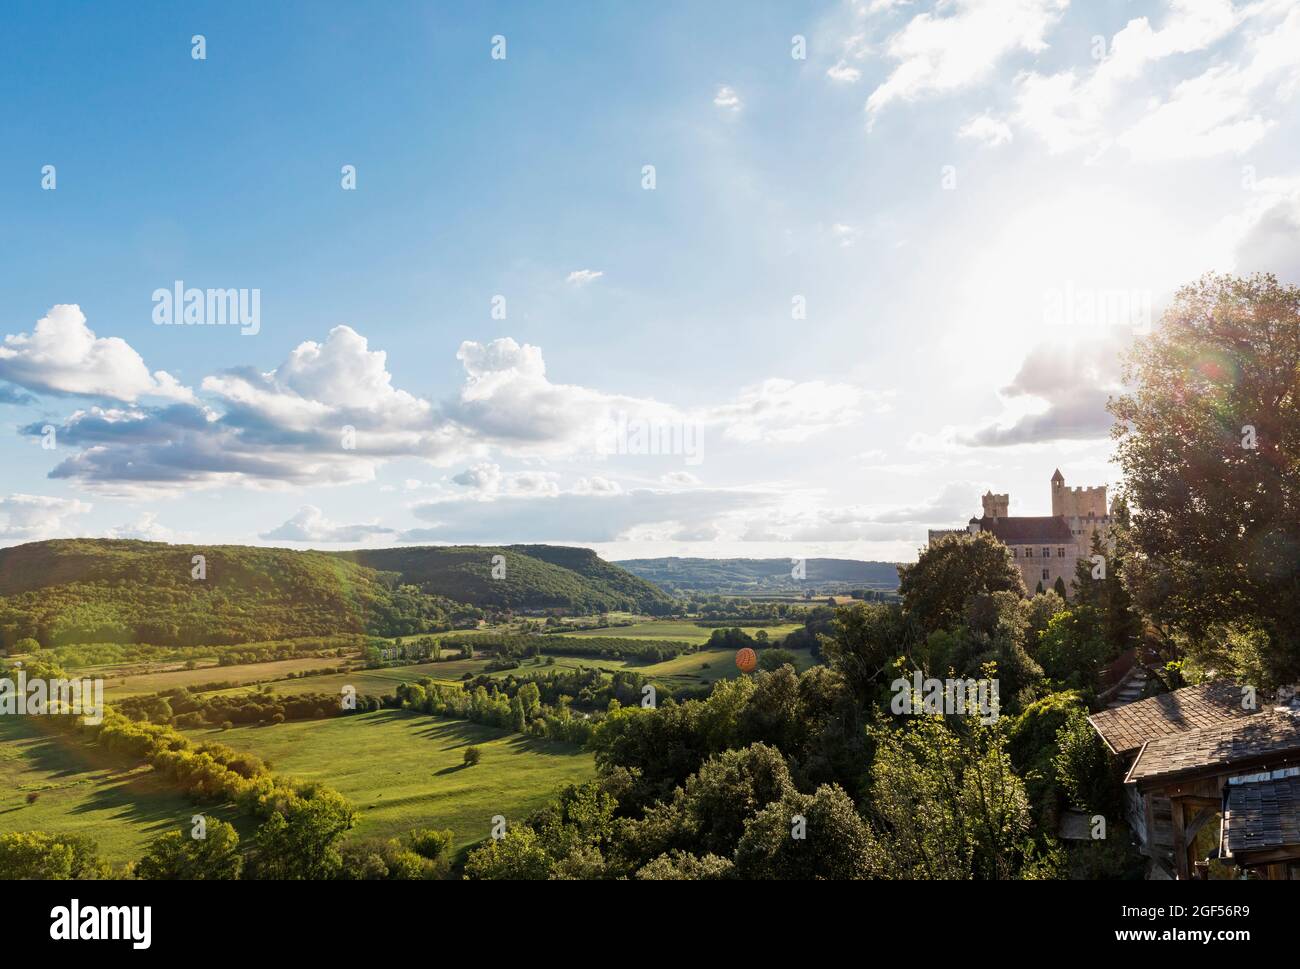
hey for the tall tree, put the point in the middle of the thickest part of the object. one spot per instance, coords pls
(949, 572)
(1209, 441)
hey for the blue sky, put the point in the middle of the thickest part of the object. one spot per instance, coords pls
(932, 183)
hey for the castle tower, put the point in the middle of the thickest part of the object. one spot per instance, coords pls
(1058, 493)
(995, 506)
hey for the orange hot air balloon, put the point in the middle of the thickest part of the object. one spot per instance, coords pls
(746, 660)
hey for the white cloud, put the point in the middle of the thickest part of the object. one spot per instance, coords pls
(1226, 107)
(727, 99)
(843, 72)
(581, 277)
(785, 411)
(31, 518)
(311, 525)
(147, 528)
(942, 54)
(987, 130)
(845, 235)
(63, 356)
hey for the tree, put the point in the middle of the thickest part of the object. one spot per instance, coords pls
(1086, 769)
(947, 802)
(298, 842)
(1209, 442)
(1072, 649)
(473, 755)
(950, 571)
(175, 856)
(1059, 587)
(803, 837)
(38, 855)
(865, 641)
(774, 659)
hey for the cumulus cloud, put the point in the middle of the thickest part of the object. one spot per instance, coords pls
(147, 528)
(30, 518)
(727, 99)
(581, 277)
(1270, 237)
(1226, 107)
(843, 72)
(939, 54)
(785, 411)
(63, 356)
(987, 130)
(311, 525)
(330, 414)
(1074, 382)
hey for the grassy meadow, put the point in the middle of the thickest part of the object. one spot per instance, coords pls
(82, 792)
(403, 770)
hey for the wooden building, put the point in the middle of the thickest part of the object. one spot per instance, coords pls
(1200, 757)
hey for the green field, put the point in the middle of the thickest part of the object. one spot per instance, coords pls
(81, 792)
(687, 670)
(404, 770)
(156, 682)
(377, 681)
(679, 629)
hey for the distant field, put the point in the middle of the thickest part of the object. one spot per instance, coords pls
(243, 673)
(83, 793)
(682, 629)
(378, 681)
(688, 670)
(404, 770)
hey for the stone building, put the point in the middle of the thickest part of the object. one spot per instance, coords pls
(1045, 547)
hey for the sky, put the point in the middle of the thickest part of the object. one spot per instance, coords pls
(729, 279)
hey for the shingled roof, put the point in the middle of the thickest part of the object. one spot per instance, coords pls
(1047, 529)
(1127, 728)
(1264, 739)
(1262, 815)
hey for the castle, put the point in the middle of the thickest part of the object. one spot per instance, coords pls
(1047, 547)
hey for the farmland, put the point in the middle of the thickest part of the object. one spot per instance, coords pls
(403, 770)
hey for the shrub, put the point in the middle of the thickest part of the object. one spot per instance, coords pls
(472, 756)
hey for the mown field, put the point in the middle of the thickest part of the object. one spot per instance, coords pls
(680, 629)
(688, 670)
(404, 770)
(377, 681)
(156, 682)
(81, 792)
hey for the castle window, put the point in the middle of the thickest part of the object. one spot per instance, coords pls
(1029, 553)
(1015, 553)
(1044, 575)
(1060, 553)
(1047, 553)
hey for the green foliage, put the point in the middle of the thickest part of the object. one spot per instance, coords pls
(1073, 648)
(834, 843)
(36, 855)
(1216, 522)
(1087, 771)
(950, 571)
(1031, 742)
(299, 839)
(176, 856)
(774, 659)
(118, 591)
(535, 577)
(473, 756)
(947, 802)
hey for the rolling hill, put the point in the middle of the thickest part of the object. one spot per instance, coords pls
(109, 590)
(762, 575)
(535, 577)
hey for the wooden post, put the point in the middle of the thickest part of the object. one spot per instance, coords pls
(1180, 839)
